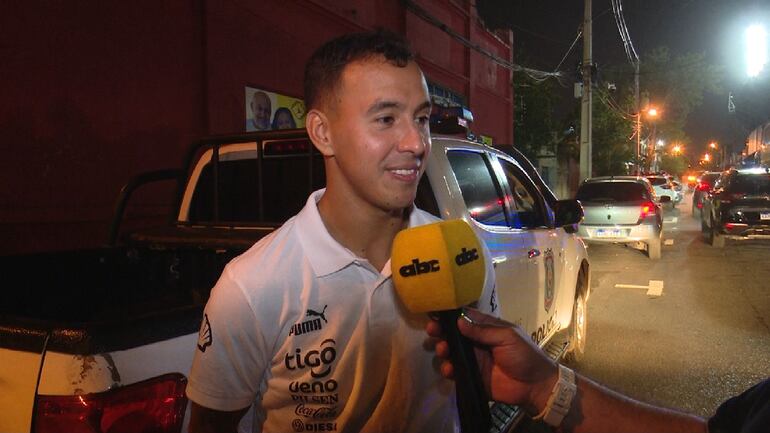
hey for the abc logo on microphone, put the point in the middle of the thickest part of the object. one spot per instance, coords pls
(438, 266)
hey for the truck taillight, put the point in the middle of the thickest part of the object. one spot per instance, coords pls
(156, 405)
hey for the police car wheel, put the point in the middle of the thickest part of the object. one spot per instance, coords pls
(579, 325)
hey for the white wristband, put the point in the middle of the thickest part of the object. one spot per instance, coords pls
(561, 398)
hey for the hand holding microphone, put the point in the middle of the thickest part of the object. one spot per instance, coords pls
(440, 268)
(514, 370)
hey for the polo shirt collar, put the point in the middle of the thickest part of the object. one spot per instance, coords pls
(324, 253)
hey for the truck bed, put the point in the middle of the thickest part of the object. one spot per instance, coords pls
(115, 298)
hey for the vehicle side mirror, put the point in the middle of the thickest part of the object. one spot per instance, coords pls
(567, 212)
(664, 199)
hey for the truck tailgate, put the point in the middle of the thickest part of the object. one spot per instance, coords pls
(18, 379)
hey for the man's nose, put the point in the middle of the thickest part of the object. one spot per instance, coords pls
(414, 140)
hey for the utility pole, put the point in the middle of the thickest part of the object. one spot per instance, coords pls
(585, 114)
(638, 102)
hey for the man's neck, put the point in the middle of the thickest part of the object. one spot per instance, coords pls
(365, 231)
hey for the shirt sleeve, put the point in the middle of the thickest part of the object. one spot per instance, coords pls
(232, 353)
(745, 413)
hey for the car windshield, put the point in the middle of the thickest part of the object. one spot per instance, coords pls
(657, 181)
(611, 191)
(751, 184)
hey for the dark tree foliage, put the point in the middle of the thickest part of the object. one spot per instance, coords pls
(674, 84)
(611, 143)
(534, 131)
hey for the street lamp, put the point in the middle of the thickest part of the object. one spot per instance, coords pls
(651, 112)
(707, 157)
(756, 50)
(653, 144)
(677, 149)
(713, 145)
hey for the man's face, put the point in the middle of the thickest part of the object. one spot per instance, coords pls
(260, 106)
(380, 135)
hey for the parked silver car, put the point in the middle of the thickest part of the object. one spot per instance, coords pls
(621, 209)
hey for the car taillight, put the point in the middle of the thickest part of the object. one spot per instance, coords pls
(646, 210)
(702, 187)
(156, 405)
(699, 205)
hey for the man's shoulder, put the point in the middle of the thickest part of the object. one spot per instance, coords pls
(279, 250)
(748, 412)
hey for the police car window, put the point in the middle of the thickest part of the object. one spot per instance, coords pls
(526, 209)
(481, 192)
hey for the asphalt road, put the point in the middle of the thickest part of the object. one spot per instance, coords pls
(704, 339)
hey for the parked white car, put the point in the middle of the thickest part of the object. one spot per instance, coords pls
(663, 187)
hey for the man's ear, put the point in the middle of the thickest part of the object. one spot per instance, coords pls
(317, 125)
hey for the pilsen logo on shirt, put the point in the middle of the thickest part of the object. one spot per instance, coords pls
(204, 336)
(314, 324)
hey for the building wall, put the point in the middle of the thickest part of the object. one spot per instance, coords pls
(758, 139)
(94, 92)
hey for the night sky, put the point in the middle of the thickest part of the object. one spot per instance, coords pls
(545, 29)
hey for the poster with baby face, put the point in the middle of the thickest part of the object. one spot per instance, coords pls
(268, 110)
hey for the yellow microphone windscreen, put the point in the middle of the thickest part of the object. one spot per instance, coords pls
(438, 266)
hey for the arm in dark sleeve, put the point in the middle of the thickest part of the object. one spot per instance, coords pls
(746, 413)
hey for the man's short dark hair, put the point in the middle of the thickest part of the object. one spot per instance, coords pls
(324, 69)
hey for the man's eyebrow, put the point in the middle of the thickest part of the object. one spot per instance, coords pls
(383, 105)
(424, 105)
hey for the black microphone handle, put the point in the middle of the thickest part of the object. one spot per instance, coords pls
(472, 399)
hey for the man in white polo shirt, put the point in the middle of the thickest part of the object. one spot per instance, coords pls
(305, 327)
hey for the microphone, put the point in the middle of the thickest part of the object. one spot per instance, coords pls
(440, 268)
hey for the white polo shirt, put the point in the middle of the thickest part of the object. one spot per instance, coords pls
(317, 340)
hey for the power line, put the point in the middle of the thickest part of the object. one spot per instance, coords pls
(541, 36)
(427, 17)
(620, 22)
(614, 106)
(580, 33)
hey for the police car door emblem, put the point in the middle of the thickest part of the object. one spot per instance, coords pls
(549, 279)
